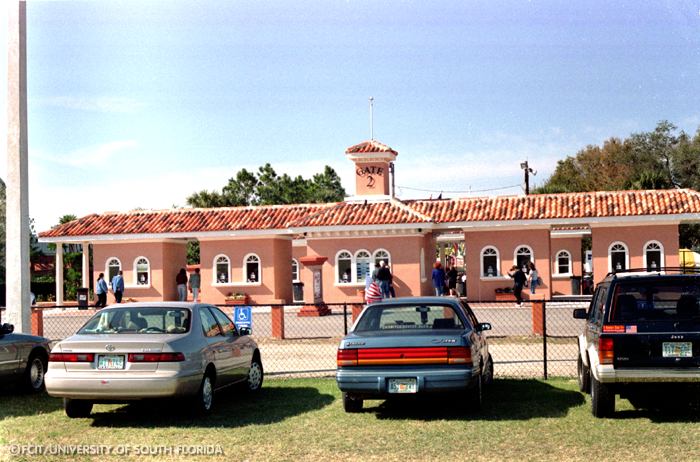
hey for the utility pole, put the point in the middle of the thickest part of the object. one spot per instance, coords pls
(371, 117)
(528, 170)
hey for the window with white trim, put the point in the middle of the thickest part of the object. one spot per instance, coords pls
(381, 255)
(617, 257)
(295, 270)
(114, 266)
(523, 256)
(562, 264)
(343, 265)
(490, 262)
(222, 269)
(363, 265)
(653, 256)
(251, 268)
(142, 271)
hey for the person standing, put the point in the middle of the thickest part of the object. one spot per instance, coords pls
(383, 279)
(533, 278)
(519, 280)
(181, 281)
(101, 291)
(118, 286)
(452, 279)
(195, 284)
(438, 279)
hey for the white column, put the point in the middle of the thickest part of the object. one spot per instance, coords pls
(59, 274)
(86, 264)
(17, 219)
(441, 253)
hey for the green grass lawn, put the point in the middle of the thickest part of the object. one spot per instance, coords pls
(303, 419)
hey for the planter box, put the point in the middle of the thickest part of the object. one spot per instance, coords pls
(239, 301)
(505, 297)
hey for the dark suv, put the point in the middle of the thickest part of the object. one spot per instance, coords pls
(642, 339)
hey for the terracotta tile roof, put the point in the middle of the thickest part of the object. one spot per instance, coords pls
(362, 214)
(186, 220)
(561, 206)
(369, 146)
(283, 217)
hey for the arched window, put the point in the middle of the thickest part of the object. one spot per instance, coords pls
(343, 265)
(618, 259)
(382, 255)
(490, 262)
(295, 270)
(251, 268)
(363, 265)
(142, 271)
(523, 255)
(114, 266)
(653, 256)
(222, 269)
(562, 265)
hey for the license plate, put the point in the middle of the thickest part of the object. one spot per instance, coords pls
(110, 362)
(403, 386)
(677, 349)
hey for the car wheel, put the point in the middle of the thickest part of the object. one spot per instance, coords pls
(77, 408)
(204, 401)
(488, 371)
(255, 376)
(602, 399)
(584, 376)
(474, 395)
(35, 372)
(351, 403)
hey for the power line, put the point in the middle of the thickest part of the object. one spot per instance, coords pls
(458, 192)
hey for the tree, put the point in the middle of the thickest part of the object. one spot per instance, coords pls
(658, 159)
(266, 187)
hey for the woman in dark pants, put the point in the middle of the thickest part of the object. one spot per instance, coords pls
(519, 279)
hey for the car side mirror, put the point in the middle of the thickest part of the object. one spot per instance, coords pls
(244, 331)
(483, 326)
(7, 329)
(580, 313)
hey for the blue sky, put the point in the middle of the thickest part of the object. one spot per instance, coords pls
(139, 104)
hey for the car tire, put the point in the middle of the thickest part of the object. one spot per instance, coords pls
(584, 376)
(77, 408)
(351, 403)
(474, 398)
(255, 377)
(203, 401)
(488, 371)
(35, 372)
(602, 399)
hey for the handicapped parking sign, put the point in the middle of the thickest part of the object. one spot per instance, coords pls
(243, 317)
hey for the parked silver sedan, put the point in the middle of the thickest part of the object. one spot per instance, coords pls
(22, 359)
(153, 350)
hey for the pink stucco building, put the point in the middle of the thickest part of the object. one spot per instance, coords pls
(259, 251)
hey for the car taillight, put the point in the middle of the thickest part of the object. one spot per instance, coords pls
(606, 350)
(347, 357)
(459, 355)
(155, 357)
(72, 357)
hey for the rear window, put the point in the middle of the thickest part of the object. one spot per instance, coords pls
(408, 317)
(658, 300)
(152, 320)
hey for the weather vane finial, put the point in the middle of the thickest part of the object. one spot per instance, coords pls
(371, 117)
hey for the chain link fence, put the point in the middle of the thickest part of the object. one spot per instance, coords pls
(532, 340)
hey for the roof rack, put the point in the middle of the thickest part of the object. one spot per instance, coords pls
(661, 270)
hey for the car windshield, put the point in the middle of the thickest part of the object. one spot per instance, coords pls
(407, 317)
(668, 300)
(151, 320)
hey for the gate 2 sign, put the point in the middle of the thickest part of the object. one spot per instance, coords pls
(243, 317)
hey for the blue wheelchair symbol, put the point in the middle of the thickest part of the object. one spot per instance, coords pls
(243, 317)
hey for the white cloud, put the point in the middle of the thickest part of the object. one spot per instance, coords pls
(89, 156)
(94, 104)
